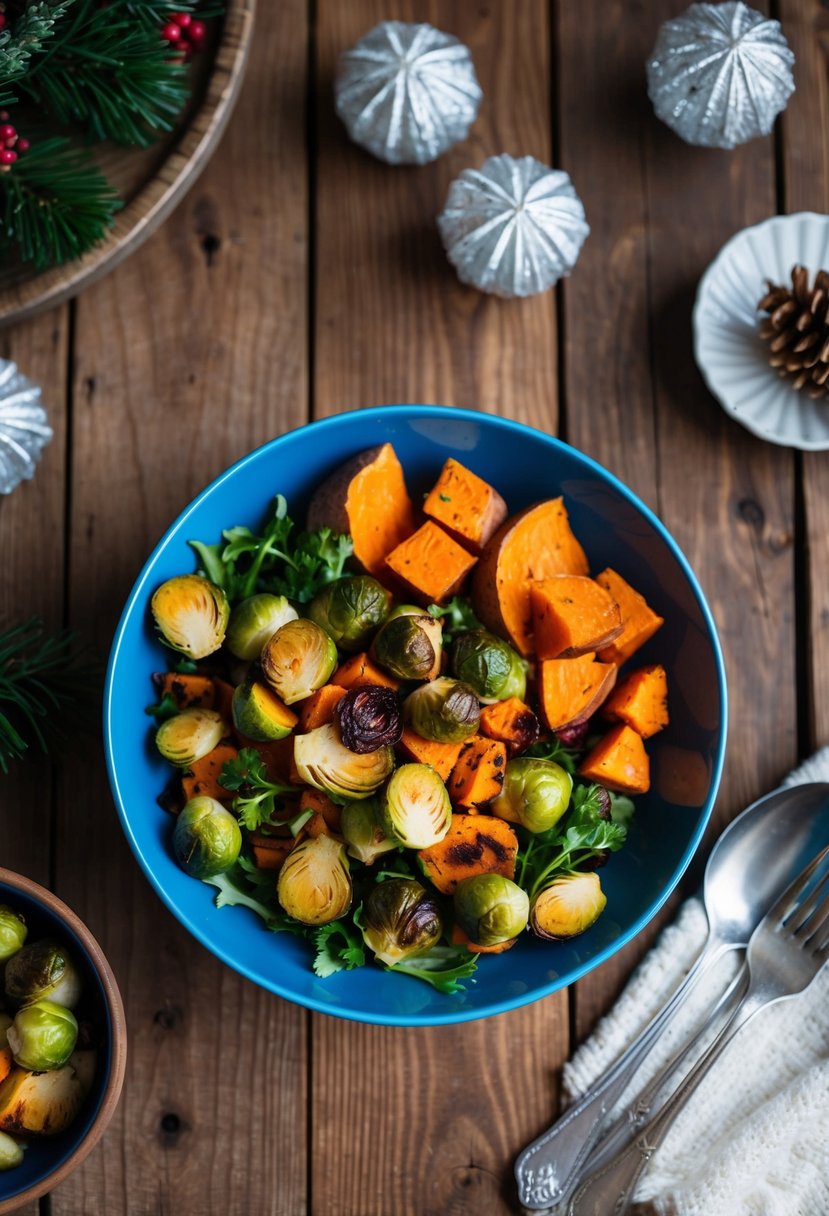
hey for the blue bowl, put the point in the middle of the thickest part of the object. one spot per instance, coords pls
(49, 1159)
(615, 529)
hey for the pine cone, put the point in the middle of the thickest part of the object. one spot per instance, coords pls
(797, 330)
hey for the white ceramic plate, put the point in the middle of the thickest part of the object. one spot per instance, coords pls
(729, 350)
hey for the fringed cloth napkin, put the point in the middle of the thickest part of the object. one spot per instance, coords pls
(753, 1140)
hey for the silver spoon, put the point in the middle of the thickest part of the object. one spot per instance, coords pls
(748, 869)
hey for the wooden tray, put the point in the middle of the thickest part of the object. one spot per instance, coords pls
(151, 181)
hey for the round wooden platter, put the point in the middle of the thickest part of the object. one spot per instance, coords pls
(151, 181)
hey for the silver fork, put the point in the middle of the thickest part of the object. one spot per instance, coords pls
(785, 953)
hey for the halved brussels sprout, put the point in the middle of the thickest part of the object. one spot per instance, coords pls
(259, 714)
(42, 1036)
(489, 666)
(350, 610)
(191, 614)
(298, 659)
(43, 969)
(11, 1152)
(206, 838)
(400, 920)
(12, 932)
(363, 833)
(416, 809)
(535, 793)
(314, 883)
(323, 760)
(566, 907)
(491, 909)
(443, 710)
(45, 1103)
(409, 646)
(189, 735)
(254, 620)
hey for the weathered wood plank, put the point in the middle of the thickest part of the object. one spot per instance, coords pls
(428, 1121)
(659, 211)
(191, 353)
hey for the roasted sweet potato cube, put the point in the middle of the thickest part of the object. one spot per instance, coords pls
(619, 761)
(318, 709)
(359, 671)
(572, 615)
(571, 690)
(430, 564)
(474, 844)
(269, 852)
(188, 692)
(202, 778)
(441, 756)
(639, 622)
(511, 722)
(468, 507)
(478, 773)
(319, 802)
(640, 700)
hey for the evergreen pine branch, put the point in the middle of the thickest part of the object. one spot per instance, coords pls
(32, 27)
(54, 203)
(47, 683)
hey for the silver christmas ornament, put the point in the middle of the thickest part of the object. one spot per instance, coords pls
(24, 430)
(407, 92)
(512, 227)
(720, 74)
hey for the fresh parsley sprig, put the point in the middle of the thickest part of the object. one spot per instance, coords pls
(339, 947)
(583, 835)
(258, 799)
(446, 968)
(458, 616)
(234, 891)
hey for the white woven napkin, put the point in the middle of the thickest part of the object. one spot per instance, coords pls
(752, 1140)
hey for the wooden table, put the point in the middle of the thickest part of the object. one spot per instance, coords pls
(300, 278)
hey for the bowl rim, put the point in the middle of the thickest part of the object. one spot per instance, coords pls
(118, 1048)
(421, 412)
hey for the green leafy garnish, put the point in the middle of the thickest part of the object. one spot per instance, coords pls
(163, 709)
(279, 561)
(458, 616)
(622, 809)
(576, 840)
(233, 892)
(553, 749)
(339, 948)
(258, 799)
(186, 667)
(446, 968)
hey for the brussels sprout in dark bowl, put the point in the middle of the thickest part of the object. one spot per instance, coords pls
(58, 961)
(525, 467)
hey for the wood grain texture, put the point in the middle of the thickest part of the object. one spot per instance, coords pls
(189, 355)
(805, 166)
(428, 1122)
(659, 211)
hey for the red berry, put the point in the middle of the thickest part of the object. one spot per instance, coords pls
(7, 131)
(197, 31)
(182, 19)
(23, 145)
(7, 156)
(182, 46)
(171, 32)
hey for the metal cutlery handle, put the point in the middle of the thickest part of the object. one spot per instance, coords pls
(547, 1169)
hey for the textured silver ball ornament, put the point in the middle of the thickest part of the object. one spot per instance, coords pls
(513, 227)
(24, 429)
(720, 74)
(407, 92)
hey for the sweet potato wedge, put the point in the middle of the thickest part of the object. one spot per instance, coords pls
(430, 565)
(188, 692)
(269, 852)
(535, 544)
(367, 498)
(223, 703)
(572, 615)
(511, 722)
(442, 757)
(478, 773)
(318, 709)
(465, 505)
(359, 670)
(619, 761)
(571, 690)
(202, 778)
(319, 802)
(640, 700)
(474, 844)
(639, 622)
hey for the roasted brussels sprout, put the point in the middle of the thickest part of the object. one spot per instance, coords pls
(42, 970)
(189, 735)
(363, 833)
(254, 620)
(491, 909)
(489, 666)
(259, 714)
(42, 1036)
(206, 838)
(535, 793)
(566, 907)
(443, 710)
(314, 883)
(400, 919)
(12, 932)
(350, 610)
(369, 718)
(44, 1103)
(323, 760)
(298, 659)
(409, 646)
(11, 1152)
(191, 614)
(416, 810)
